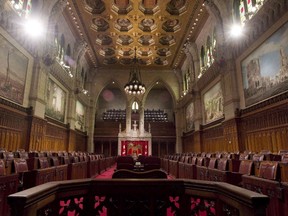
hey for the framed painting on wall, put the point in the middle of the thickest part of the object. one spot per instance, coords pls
(13, 71)
(80, 116)
(213, 104)
(56, 101)
(265, 70)
(190, 117)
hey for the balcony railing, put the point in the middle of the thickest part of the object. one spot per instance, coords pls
(137, 197)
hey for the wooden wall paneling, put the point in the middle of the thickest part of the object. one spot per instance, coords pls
(264, 126)
(213, 139)
(37, 134)
(197, 141)
(231, 134)
(72, 140)
(56, 138)
(187, 142)
(13, 126)
(80, 141)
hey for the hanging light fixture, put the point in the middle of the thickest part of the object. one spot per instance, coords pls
(135, 86)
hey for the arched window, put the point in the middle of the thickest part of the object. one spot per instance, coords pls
(67, 55)
(214, 45)
(22, 7)
(56, 40)
(186, 81)
(202, 57)
(135, 106)
(244, 10)
(62, 48)
(209, 51)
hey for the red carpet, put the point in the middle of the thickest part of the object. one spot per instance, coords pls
(107, 174)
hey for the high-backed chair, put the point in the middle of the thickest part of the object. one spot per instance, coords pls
(20, 167)
(8, 185)
(152, 162)
(267, 182)
(125, 162)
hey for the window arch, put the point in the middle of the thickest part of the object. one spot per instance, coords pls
(209, 51)
(244, 10)
(56, 40)
(214, 45)
(61, 48)
(186, 80)
(202, 57)
(22, 7)
(135, 106)
(67, 55)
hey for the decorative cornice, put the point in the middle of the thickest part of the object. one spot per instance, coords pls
(15, 106)
(213, 124)
(280, 98)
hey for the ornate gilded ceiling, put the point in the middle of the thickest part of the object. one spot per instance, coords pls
(157, 29)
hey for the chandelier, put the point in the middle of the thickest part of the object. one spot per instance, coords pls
(134, 85)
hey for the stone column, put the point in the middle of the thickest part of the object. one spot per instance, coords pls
(141, 120)
(128, 118)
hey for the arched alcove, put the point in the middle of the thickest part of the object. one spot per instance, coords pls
(111, 104)
(158, 101)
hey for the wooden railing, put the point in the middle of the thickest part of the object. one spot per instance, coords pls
(137, 197)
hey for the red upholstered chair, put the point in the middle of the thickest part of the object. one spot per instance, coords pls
(43, 163)
(193, 160)
(246, 167)
(8, 185)
(212, 163)
(201, 169)
(284, 168)
(244, 156)
(20, 167)
(269, 170)
(267, 182)
(222, 164)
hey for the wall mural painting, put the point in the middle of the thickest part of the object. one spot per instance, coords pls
(56, 101)
(80, 116)
(265, 71)
(213, 103)
(190, 117)
(13, 71)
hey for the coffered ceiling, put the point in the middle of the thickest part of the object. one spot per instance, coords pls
(155, 29)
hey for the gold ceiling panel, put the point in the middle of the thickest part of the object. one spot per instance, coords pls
(156, 29)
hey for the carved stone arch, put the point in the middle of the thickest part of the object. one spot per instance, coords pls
(191, 52)
(166, 85)
(219, 9)
(135, 99)
(54, 14)
(56, 11)
(80, 47)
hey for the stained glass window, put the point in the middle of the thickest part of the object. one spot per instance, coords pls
(209, 52)
(246, 9)
(22, 7)
(214, 44)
